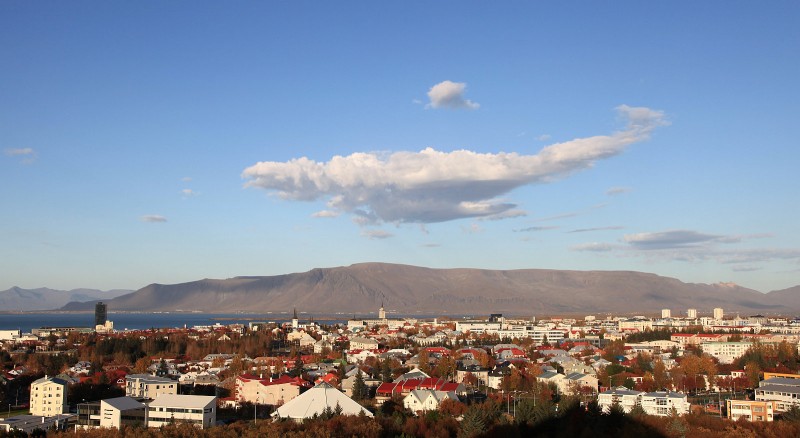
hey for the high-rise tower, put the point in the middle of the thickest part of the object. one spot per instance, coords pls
(100, 313)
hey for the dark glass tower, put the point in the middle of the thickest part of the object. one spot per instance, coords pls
(99, 313)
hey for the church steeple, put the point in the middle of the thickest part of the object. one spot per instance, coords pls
(295, 320)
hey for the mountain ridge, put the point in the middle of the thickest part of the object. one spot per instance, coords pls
(419, 290)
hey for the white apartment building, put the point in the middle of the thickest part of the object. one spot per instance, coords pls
(725, 352)
(638, 323)
(661, 403)
(658, 403)
(626, 398)
(198, 410)
(48, 397)
(785, 392)
(718, 313)
(149, 386)
(9, 335)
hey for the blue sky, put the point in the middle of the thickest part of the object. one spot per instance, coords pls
(172, 141)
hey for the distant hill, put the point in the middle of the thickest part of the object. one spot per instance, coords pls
(361, 288)
(18, 299)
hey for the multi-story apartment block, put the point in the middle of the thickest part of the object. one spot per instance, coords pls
(663, 403)
(48, 397)
(148, 386)
(785, 392)
(198, 410)
(751, 410)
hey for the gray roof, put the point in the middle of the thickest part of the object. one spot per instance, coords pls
(148, 378)
(780, 381)
(124, 403)
(665, 394)
(779, 388)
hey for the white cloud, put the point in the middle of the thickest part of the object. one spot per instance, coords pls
(325, 213)
(376, 234)
(473, 228)
(186, 179)
(188, 192)
(544, 137)
(449, 94)
(154, 218)
(435, 186)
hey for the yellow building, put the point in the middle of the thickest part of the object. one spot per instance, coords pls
(751, 410)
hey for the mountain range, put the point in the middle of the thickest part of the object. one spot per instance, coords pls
(18, 299)
(403, 289)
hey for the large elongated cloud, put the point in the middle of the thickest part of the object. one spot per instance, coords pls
(435, 186)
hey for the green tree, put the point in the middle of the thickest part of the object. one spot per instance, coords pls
(473, 423)
(359, 387)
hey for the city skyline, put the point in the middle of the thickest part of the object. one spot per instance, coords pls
(165, 143)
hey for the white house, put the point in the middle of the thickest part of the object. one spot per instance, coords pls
(426, 399)
(316, 400)
(198, 410)
(48, 396)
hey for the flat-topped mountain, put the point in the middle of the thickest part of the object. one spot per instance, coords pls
(407, 289)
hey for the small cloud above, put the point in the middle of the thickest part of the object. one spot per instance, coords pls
(153, 218)
(188, 193)
(543, 137)
(186, 179)
(449, 94)
(28, 154)
(614, 191)
(325, 213)
(431, 245)
(376, 234)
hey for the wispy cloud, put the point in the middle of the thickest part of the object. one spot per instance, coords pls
(694, 246)
(153, 218)
(594, 247)
(28, 155)
(435, 186)
(544, 137)
(614, 191)
(325, 214)
(587, 230)
(449, 94)
(188, 193)
(472, 228)
(376, 234)
(431, 245)
(532, 229)
(186, 179)
(671, 239)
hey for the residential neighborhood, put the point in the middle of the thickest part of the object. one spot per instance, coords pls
(732, 369)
